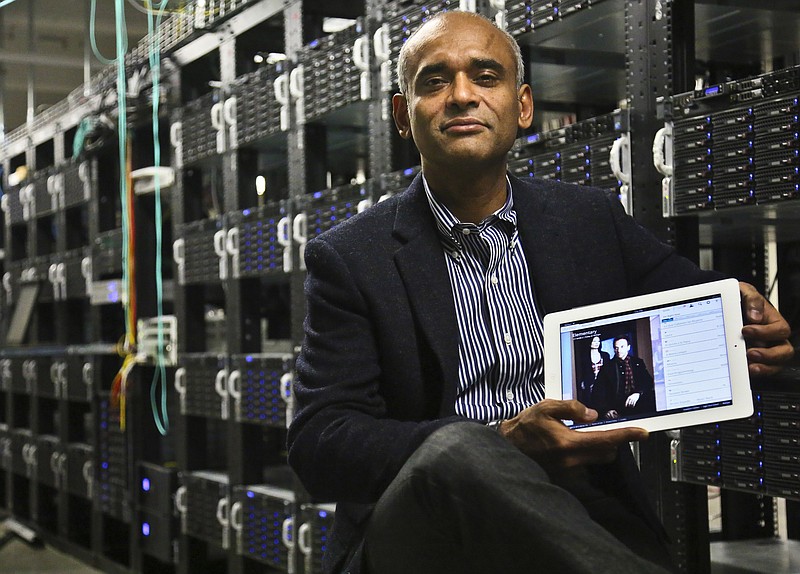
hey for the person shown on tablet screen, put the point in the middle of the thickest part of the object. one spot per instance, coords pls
(419, 385)
(624, 386)
(595, 359)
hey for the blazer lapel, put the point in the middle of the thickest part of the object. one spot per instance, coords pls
(420, 262)
(545, 240)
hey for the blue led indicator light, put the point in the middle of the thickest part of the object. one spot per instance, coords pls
(146, 484)
(145, 529)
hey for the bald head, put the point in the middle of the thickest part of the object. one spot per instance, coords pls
(438, 25)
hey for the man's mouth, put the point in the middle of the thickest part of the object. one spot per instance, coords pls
(463, 125)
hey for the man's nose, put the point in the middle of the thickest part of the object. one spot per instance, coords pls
(462, 91)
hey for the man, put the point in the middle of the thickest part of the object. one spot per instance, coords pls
(419, 384)
(624, 386)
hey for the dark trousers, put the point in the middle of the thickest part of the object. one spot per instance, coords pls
(469, 501)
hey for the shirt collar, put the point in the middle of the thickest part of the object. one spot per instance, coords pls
(447, 222)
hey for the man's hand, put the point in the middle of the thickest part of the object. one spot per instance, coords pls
(538, 432)
(632, 399)
(765, 331)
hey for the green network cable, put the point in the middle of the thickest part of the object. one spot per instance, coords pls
(93, 39)
(122, 123)
(155, 68)
(153, 23)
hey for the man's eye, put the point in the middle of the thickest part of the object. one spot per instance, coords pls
(487, 79)
(434, 82)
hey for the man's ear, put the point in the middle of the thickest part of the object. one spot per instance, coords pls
(525, 98)
(400, 115)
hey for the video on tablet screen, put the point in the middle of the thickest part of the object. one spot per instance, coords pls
(659, 360)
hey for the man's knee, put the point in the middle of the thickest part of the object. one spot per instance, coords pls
(458, 450)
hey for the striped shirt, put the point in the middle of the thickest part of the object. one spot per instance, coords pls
(500, 349)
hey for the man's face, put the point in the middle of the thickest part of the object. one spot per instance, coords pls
(621, 349)
(462, 105)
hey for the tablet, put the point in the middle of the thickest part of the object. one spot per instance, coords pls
(660, 361)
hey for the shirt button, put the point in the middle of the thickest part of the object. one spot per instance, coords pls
(512, 245)
(507, 338)
(466, 231)
(509, 395)
(495, 280)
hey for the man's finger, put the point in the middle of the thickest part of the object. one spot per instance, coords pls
(573, 410)
(753, 303)
(604, 438)
(777, 331)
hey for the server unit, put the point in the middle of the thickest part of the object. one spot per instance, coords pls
(314, 534)
(523, 16)
(262, 240)
(50, 461)
(264, 522)
(261, 387)
(201, 381)
(80, 470)
(158, 523)
(200, 252)
(258, 112)
(758, 454)
(579, 153)
(79, 180)
(736, 144)
(198, 132)
(332, 71)
(111, 470)
(326, 208)
(781, 448)
(203, 502)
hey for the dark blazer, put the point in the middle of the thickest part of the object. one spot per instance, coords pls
(609, 388)
(378, 369)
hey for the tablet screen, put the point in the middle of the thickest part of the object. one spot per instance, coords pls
(656, 360)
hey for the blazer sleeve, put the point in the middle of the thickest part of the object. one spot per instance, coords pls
(344, 443)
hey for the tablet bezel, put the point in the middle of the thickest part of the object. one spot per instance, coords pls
(727, 289)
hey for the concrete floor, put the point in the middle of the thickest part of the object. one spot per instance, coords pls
(18, 557)
(767, 556)
(745, 557)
